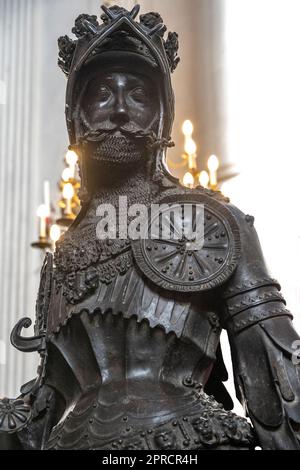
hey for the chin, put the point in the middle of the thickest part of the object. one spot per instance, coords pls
(116, 151)
(122, 159)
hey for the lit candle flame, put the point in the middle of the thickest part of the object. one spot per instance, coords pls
(71, 159)
(213, 166)
(55, 233)
(188, 128)
(42, 211)
(66, 175)
(68, 193)
(190, 147)
(188, 180)
(213, 163)
(204, 179)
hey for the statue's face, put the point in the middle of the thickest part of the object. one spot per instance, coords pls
(119, 99)
(122, 105)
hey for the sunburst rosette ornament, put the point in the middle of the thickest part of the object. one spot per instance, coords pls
(14, 415)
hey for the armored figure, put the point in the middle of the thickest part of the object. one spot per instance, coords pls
(128, 329)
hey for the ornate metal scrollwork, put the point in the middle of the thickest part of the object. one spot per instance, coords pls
(23, 343)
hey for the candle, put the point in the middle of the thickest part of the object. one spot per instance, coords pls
(42, 214)
(213, 166)
(66, 175)
(68, 193)
(54, 235)
(190, 149)
(71, 159)
(187, 128)
(188, 180)
(204, 179)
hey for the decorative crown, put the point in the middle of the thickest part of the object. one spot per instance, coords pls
(87, 28)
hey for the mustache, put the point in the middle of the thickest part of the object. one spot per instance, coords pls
(130, 131)
(107, 128)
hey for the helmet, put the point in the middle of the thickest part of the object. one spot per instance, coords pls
(122, 40)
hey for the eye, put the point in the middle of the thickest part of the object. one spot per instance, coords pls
(103, 94)
(139, 95)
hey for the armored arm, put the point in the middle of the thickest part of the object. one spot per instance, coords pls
(262, 337)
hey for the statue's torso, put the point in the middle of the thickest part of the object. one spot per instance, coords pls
(136, 349)
(133, 356)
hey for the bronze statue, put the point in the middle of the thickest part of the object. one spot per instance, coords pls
(128, 329)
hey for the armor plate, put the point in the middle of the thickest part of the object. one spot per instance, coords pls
(175, 264)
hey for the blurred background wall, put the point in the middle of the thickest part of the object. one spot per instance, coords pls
(238, 81)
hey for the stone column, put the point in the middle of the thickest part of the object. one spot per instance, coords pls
(19, 172)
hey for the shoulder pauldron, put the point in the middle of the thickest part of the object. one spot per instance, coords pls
(191, 243)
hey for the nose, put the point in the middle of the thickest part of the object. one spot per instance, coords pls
(120, 114)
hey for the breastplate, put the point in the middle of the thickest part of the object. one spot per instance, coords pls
(131, 314)
(133, 350)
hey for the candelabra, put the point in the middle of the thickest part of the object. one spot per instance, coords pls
(52, 228)
(206, 178)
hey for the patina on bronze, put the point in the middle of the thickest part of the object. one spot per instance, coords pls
(129, 330)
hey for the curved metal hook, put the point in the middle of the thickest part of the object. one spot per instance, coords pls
(135, 11)
(108, 12)
(93, 29)
(24, 344)
(159, 27)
